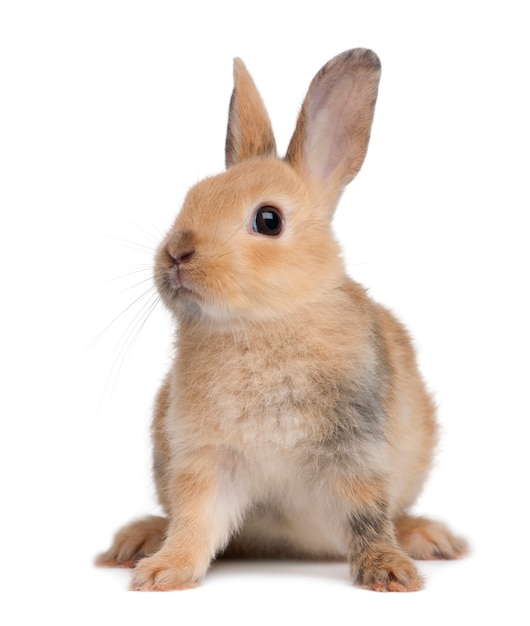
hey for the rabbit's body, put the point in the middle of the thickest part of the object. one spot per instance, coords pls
(285, 415)
(293, 421)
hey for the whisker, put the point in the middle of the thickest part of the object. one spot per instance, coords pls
(139, 270)
(133, 282)
(238, 227)
(119, 316)
(158, 231)
(144, 232)
(141, 282)
(128, 339)
(220, 256)
(235, 280)
(131, 245)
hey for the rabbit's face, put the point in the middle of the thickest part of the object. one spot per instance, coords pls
(250, 243)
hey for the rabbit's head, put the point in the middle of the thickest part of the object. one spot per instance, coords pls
(256, 242)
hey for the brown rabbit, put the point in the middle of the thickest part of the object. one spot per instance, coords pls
(293, 421)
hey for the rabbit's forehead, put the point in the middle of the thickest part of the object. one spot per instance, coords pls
(230, 195)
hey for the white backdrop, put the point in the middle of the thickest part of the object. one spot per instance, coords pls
(109, 111)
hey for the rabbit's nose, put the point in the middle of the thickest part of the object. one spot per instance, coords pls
(180, 248)
(184, 257)
(179, 258)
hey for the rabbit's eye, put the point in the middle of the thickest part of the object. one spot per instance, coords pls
(268, 221)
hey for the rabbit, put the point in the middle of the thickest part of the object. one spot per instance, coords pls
(293, 422)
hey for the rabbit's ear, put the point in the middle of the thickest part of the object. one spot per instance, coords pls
(332, 132)
(249, 133)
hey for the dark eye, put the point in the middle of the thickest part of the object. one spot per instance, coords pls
(268, 221)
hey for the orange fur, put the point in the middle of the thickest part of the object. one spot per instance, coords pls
(135, 541)
(388, 569)
(426, 539)
(185, 554)
(161, 449)
(363, 494)
(249, 130)
(294, 420)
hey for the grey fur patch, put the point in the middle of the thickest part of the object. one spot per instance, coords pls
(369, 531)
(230, 149)
(159, 466)
(369, 527)
(358, 412)
(355, 408)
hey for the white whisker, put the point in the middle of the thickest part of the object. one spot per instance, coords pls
(145, 233)
(236, 230)
(131, 245)
(140, 270)
(141, 282)
(129, 337)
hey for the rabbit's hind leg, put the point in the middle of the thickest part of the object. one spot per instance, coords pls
(425, 539)
(134, 541)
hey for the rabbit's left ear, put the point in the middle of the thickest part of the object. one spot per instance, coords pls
(332, 132)
(249, 133)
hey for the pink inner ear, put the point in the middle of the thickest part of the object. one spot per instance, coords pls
(339, 117)
(328, 136)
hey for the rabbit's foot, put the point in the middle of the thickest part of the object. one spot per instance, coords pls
(388, 569)
(135, 541)
(426, 539)
(163, 572)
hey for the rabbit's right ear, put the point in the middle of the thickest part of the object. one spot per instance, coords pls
(332, 132)
(249, 133)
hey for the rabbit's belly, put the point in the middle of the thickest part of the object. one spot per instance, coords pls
(288, 516)
(267, 533)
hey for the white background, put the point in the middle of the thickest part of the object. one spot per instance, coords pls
(109, 111)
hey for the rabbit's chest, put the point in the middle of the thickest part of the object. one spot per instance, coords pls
(250, 397)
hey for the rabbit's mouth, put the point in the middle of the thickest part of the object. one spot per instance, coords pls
(183, 290)
(174, 286)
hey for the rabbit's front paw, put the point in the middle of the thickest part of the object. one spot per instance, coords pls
(388, 570)
(162, 572)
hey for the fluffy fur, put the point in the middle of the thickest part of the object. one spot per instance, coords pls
(294, 421)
